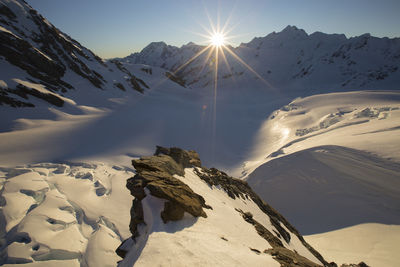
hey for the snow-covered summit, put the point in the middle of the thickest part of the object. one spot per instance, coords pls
(290, 59)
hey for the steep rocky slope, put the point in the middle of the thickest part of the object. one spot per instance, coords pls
(38, 61)
(203, 216)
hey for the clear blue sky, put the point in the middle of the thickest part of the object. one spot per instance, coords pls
(116, 28)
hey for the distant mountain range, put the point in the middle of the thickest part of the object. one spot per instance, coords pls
(290, 59)
(33, 50)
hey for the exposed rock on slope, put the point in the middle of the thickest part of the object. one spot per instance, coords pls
(156, 174)
(33, 49)
(169, 175)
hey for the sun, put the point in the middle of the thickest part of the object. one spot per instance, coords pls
(217, 39)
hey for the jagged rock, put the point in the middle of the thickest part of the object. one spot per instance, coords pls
(175, 79)
(288, 258)
(137, 216)
(23, 91)
(160, 163)
(185, 158)
(156, 175)
(172, 212)
(120, 86)
(261, 230)
(361, 264)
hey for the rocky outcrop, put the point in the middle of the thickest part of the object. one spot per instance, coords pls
(175, 79)
(135, 82)
(361, 264)
(155, 175)
(288, 258)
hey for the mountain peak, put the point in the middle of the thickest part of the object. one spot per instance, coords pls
(153, 45)
(293, 30)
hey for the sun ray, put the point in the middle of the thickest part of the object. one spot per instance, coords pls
(248, 67)
(206, 36)
(192, 58)
(226, 62)
(228, 20)
(184, 64)
(211, 50)
(214, 127)
(213, 30)
(207, 30)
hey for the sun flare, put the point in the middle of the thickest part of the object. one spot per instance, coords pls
(217, 39)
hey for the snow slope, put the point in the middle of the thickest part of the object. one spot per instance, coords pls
(236, 228)
(66, 213)
(62, 104)
(168, 115)
(375, 244)
(77, 214)
(330, 187)
(336, 156)
(364, 120)
(42, 67)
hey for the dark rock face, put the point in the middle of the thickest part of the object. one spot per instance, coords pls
(288, 258)
(175, 79)
(361, 264)
(185, 158)
(135, 82)
(8, 100)
(284, 256)
(51, 98)
(156, 175)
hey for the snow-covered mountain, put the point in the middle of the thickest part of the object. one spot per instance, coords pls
(40, 63)
(288, 60)
(71, 124)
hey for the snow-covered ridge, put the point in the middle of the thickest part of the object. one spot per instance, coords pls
(33, 50)
(196, 213)
(290, 59)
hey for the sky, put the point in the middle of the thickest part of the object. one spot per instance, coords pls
(120, 27)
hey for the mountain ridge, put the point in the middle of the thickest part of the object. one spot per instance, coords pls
(308, 59)
(37, 52)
